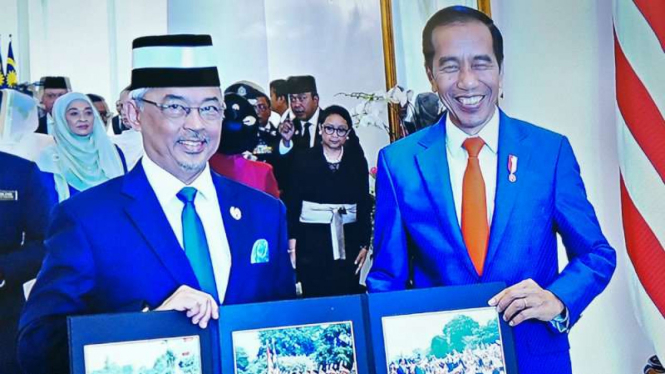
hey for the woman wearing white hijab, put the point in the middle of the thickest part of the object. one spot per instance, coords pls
(18, 122)
(83, 155)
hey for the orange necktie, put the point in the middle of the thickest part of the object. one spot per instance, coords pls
(474, 206)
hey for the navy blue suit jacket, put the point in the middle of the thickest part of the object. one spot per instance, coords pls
(111, 249)
(22, 228)
(418, 238)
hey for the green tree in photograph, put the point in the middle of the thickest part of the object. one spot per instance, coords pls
(457, 329)
(335, 346)
(242, 359)
(487, 334)
(439, 347)
(462, 332)
(290, 342)
(257, 366)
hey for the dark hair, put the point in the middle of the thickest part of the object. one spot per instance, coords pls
(95, 98)
(280, 88)
(340, 111)
(261, 94)
(459, 14)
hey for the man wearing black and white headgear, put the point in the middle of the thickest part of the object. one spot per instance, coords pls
(169, 235)
(300, 133)
(51, 89)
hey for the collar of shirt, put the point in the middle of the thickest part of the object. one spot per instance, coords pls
(166, 186)
(455, 137)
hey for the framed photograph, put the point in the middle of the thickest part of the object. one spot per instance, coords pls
(311, 336)
(133, 343)
(440, 330)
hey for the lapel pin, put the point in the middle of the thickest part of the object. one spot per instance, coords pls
(512, 168)
(235, 213)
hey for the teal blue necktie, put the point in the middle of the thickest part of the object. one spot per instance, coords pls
(196, 244)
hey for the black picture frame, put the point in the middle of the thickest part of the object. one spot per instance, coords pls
(237, 319)
(104, 330)
(468, 300)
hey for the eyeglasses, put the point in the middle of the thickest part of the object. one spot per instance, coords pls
(210, 112)
(261, 107)
(329, 130)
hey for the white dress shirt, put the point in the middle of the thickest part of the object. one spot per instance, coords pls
(131, 144)
(166, 187)
(314, 120)
(275, 119)
(458, 158)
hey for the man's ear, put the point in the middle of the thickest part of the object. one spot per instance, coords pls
(432, 81)
(133, 114)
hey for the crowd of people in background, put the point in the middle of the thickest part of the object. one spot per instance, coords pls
(280, 142)
(482, 359)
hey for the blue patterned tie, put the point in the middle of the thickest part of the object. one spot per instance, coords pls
(196, 244)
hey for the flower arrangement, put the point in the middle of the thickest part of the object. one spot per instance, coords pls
(371, 111)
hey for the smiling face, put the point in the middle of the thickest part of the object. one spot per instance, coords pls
(80, 117)
(181, 146)
(466, 73)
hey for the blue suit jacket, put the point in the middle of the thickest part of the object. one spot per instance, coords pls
(22, 228)
(418, 238)
(111, 249)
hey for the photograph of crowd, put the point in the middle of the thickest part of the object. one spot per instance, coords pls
(452, 342)
(178, 355)
(306, 349)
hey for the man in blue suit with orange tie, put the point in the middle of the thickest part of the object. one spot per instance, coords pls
(480, 196)
(169, 235)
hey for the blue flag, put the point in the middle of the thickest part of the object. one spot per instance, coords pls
(12, 75)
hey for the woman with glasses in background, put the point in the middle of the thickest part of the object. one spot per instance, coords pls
(328, 210)
(83, 155)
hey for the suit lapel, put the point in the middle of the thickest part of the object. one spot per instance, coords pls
(233, 225)
(512, 142)
(433, 166)
(149, 218)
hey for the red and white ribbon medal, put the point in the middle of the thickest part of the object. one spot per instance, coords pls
(512, 168)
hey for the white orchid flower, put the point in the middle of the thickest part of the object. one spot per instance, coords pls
(393, 95)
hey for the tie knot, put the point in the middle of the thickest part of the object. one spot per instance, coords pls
(187, 194)
(473, 146)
